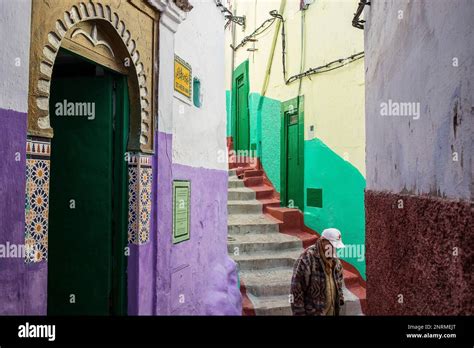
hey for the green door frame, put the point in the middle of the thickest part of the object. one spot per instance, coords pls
(120, 196)
(286, 107)
(241, 71)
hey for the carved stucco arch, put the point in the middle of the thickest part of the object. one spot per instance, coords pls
(140, 80)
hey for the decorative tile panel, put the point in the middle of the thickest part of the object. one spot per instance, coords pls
(140, 176)
(38, 153)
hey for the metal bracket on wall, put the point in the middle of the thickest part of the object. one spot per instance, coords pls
(240, 20)
(356, 21)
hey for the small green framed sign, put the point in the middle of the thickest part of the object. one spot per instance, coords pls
(181, 210)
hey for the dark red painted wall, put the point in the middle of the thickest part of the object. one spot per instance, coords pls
(409, 251)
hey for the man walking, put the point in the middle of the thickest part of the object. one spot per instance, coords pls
(316, 286)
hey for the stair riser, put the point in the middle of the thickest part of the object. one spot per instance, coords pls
(244, 229)
(241, 196)
(253, 173)
(264, 194)
(274, 311)
(254, 181)
(255, 247)
(270, 290)
(259, 264)
(232, 173)
(351, 308)
(236, 184)
(244, 209)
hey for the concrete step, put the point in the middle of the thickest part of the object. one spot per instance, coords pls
(241, 194)
(259, 242)
(232, 173)
(244, 207)
(267, 259)
(280, 304)
(277, 282)
(249, 223)
(235, 183)
(351, 305)
(271, 305)
(272, 282)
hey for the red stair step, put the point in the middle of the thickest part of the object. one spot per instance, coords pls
(269, 202)
(292, 218)
(253, 172)
(253, 181)
(308, 239)
(264, 192)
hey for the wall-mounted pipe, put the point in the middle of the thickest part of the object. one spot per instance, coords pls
(272, 50)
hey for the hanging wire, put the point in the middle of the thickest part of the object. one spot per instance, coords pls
(260, 30)
(336, 64)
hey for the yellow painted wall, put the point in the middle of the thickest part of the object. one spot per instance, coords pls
(334, 101)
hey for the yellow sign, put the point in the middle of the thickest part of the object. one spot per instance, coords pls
(182, 77)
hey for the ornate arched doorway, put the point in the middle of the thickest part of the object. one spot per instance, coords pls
(118, 40)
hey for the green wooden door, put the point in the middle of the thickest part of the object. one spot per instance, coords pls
(240, 108)
(294, 168)
(86, 269)
(243, 125)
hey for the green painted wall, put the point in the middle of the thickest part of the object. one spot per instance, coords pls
(343, 198)
(265, 126)
(254, 99)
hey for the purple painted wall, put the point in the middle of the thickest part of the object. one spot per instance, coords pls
(22, 287)
(142, 267)
(194, 277)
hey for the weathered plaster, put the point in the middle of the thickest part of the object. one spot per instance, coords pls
(419, 257)
(22, 285)
(198, 270)
(411, 60)
(15, 53)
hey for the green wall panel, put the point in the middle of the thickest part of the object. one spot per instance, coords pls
(254, 99)
(343, 205)
(266, 113)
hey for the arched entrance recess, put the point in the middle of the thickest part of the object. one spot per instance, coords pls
(116, 35)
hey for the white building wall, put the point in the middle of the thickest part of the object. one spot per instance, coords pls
(421, 52)
(199, 134)
(15, 54)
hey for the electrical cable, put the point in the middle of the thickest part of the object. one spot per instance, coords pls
(260, 30)
(327, 67)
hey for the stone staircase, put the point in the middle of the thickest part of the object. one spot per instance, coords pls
(265, 240)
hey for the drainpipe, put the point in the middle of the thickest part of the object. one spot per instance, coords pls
(272, 50)
(267, 79)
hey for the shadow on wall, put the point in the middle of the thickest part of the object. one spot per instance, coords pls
(342, 199)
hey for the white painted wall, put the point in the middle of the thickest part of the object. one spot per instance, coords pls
(410, 59)
(199, 134)
(15, 34)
